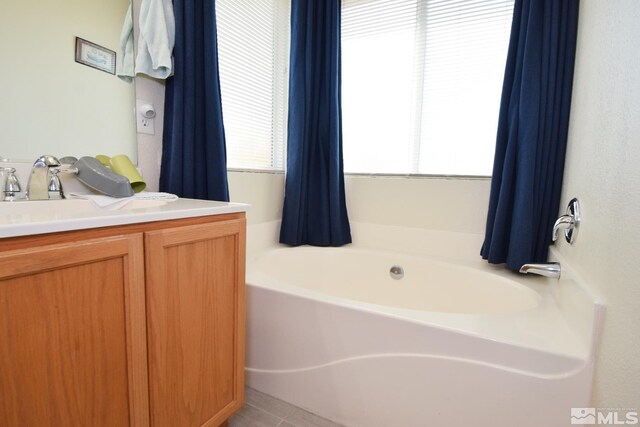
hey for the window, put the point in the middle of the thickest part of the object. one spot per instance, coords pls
(421, 84)
(253, 45)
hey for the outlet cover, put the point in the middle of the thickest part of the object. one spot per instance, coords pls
(143, 124)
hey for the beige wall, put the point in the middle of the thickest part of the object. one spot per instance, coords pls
(603, 171)
(49, 103)
(263, 191)
(149, 146)
(436, 203)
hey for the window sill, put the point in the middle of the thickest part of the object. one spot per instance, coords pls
(249, 170)
(418, 176)
(374, 175)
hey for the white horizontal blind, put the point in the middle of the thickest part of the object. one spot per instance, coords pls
(421, 84)
(378, 40)
(253, 55)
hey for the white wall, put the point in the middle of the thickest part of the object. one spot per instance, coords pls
(603, 171)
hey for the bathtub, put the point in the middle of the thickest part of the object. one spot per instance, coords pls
(452, 342)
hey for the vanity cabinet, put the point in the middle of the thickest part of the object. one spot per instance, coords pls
(72, 339)
(139, 325)
(195, 323)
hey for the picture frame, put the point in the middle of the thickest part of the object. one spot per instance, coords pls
(95, 56)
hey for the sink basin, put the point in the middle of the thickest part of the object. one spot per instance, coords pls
(76, 206)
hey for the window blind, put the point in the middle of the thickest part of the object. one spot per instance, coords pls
(253, 53)
(421, 84)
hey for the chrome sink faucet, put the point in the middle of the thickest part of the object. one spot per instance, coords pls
(41, 179)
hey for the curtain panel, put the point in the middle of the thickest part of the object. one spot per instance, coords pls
(194, 163)
(532, 132)
(315, 211)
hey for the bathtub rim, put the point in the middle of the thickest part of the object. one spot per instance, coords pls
(534, 287)
(580, 321)
(565, 345)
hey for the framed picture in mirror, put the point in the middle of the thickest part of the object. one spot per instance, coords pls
(95, 56)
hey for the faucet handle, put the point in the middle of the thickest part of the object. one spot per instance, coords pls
(12, 186)
(568, 222)
(55, 186)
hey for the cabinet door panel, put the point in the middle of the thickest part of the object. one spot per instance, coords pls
(69, 353)
(195, 318)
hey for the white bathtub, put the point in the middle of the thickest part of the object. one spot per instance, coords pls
(454, 342)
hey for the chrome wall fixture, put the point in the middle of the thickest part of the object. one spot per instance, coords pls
(548, 269)
(569, 222)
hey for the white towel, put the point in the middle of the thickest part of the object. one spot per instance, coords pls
(156, 39)
(126, 70)
(109, 203)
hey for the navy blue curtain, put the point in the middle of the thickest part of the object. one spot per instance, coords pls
(194, 162)
(532, 132)
(315, 211)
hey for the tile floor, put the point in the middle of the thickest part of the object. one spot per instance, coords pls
(262, 410)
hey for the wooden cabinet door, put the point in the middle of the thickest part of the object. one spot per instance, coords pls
(72, 334)
(195, 323)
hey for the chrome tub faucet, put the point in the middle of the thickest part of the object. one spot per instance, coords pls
(548, 269)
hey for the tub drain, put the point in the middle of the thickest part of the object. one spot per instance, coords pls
(396, 272)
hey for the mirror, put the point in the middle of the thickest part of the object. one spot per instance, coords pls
(50, 104)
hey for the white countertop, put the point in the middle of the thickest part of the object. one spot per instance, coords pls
(25, 218)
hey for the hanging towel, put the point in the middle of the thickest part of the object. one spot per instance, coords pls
(125, 71)
(156, 39)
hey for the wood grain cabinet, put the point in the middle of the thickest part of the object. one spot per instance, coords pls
(139, 325)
